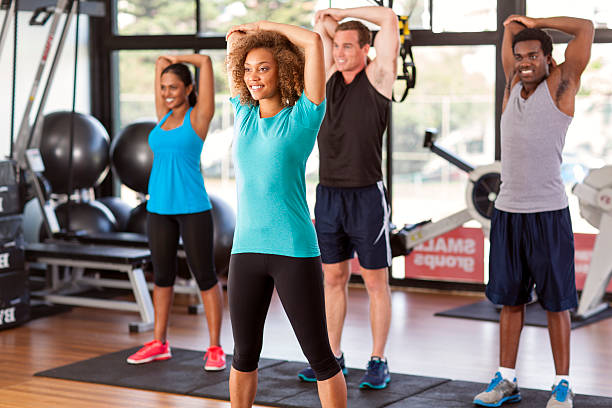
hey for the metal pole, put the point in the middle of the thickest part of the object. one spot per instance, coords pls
(23, 135)
(36, 130)
(390, 161)
(6, 23)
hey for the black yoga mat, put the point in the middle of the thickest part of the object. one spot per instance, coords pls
(534, 314)
(279, 385)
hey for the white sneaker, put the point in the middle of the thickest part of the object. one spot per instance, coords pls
(561, 397)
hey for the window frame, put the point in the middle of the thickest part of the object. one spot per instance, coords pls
(105, 93)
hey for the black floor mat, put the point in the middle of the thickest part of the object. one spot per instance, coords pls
(534, 315)
(459, 394)
(279, 385)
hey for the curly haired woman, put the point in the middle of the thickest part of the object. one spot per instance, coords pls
(278, 93)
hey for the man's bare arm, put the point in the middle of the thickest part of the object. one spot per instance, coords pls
(578, 51)
(512, 26)
(325, 26)
(383, 69)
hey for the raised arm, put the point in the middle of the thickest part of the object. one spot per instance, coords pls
(382, 71)
(325, 26)
(160, 107)
(386, 41)
(511, 28)
(232, 38)
(204, 108)
(314, 60)
(578, 51)
(309, 41)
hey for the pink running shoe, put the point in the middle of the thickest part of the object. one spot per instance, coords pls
(152, 351)
(215, 359)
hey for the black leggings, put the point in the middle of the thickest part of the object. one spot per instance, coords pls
(299, 283)
(197, 232)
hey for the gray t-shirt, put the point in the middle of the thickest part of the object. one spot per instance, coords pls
(532, 137)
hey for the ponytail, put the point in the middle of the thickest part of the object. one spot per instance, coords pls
(193, 97)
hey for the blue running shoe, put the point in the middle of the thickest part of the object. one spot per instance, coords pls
(561, 397)
(307, 374)
(498, 392)
(377, 374)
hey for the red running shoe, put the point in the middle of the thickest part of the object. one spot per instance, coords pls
(215, 359)
(152, 351)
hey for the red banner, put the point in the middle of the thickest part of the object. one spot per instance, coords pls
(456, 256)
(583, 247)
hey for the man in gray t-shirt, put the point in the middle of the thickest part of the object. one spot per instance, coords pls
(531, 233)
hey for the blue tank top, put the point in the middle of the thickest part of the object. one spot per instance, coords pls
(176, 185)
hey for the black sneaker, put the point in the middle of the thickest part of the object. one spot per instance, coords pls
(377, 374)
(307, 374)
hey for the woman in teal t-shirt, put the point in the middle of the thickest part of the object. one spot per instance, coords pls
(278, 93)
(178, 205)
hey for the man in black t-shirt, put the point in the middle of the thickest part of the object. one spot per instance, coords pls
(351, 212)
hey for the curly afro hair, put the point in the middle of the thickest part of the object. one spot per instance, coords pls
(535, 34)
(289, 59)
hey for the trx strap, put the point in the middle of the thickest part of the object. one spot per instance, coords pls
(408, 67)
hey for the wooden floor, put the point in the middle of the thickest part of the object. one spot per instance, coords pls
(419, 343)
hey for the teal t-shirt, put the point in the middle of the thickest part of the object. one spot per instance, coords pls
(176, 185)
(270, 161)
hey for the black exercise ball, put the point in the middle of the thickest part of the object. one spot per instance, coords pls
(224, 221)
(131, 156)
(120, 209)
(90, 158)
(90, 217)
(137, 221)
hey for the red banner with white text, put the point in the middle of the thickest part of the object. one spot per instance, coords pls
(456, 256)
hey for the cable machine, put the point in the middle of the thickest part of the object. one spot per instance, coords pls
(25, 152)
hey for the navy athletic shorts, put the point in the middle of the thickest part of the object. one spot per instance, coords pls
(353, 219)
(530, 249)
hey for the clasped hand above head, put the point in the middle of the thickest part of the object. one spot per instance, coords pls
(523, 20)
(170, 58)
(334, 13)
(247, 28)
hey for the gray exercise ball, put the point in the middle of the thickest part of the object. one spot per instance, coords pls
(131, 156)
(90, 157)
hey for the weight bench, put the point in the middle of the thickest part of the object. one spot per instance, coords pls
(135, 240)
(129, 239)
(75, 255)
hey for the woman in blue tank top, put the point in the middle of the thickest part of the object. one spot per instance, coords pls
(278, 94)
(178, 204)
